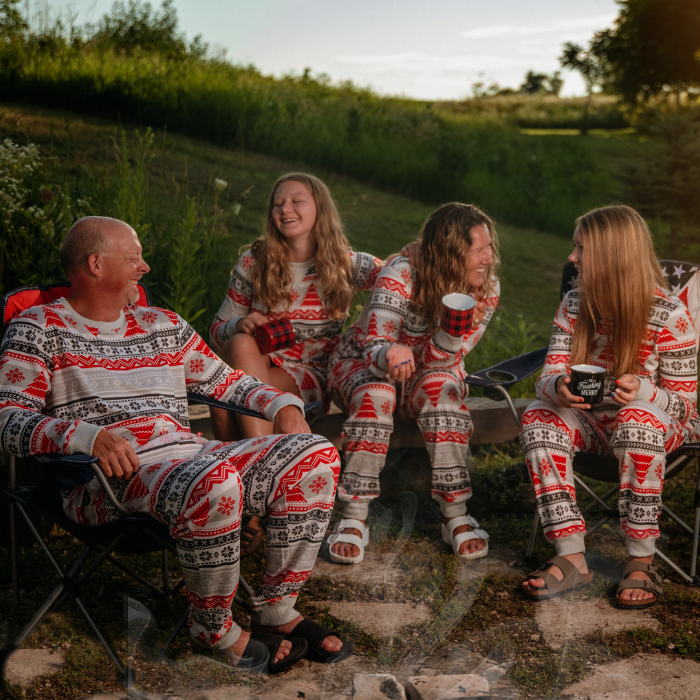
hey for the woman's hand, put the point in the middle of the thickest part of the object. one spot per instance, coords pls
(479, 314)
(626, 389)
(412, 252)
(400, 362)
(566, 398)
(250, 323)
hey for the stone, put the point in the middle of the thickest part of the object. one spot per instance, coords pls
(380, 619)
(377, 686)
(563, 619)
(376, 568)
(641, 677)
(25, 665)
(498, 562)
(447, 687)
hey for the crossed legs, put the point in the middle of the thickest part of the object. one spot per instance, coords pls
(291, 478)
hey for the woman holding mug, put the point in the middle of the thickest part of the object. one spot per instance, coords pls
(623, 319)
(397, 343)
(302, 269)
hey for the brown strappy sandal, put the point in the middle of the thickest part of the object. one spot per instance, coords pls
(652, 584)
(573, 580)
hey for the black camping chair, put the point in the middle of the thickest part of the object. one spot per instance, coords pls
(132, 534)
(684, 280)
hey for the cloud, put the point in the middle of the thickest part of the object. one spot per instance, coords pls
(500, 30)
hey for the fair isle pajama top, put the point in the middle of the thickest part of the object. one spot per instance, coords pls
(317, 334)
(63, 378)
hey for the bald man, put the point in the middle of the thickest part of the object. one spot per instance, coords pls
(95, 373)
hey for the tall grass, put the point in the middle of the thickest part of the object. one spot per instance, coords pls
(406, 146)
(541, 111)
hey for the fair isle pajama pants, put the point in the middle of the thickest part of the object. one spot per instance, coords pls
(432, 398)
(639, 434)
(201, 497)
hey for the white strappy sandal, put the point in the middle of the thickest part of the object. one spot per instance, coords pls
(346, 538)
(456, 540)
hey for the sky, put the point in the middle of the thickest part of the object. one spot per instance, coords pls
(425, 49)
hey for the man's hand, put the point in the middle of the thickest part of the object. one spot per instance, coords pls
(117, 456)
(626, 389)
(400, 362)
(289, 420)
(566, 398)
(250, 323)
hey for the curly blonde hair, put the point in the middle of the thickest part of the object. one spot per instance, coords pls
(618, 286)
(272, 275)
(445, 245)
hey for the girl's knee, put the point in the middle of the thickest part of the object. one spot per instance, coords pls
(239, 347)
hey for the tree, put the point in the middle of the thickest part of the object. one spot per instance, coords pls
(542, 84)
(134, 25)
(575, 58)
(12, 23)
(653, 49)
(664, 181)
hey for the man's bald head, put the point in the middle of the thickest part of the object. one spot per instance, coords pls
(91, 234)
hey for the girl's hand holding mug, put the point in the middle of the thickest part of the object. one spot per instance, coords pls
(626, 389)
(566, 398)
(250, 323)
(400, 362)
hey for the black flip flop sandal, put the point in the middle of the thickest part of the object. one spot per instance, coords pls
(314, 634)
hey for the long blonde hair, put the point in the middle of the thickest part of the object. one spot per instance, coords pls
(617, 290)
(445, 245)
(272, 275)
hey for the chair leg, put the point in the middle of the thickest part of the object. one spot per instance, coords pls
(176, 630)
(533, 534)
(696, 531)
(511, 405)
(67, 584)
(14, 550)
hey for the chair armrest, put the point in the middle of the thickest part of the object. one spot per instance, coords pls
(215, 403)
(70, 471)
(510, 371)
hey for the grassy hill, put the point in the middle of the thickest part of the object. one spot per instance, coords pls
(83, 155)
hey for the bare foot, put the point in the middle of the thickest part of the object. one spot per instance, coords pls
(470, 546)
(638, 593)
(345, 549)
(328, 644)
(236, 650)
(578, 560)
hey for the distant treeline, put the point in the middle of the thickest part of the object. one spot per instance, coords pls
(407, 146)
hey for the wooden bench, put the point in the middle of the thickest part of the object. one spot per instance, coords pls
(493, 423)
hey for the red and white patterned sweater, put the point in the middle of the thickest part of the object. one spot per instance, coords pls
(64, 377)
(667, 357)
(316, 333)
(387, 318)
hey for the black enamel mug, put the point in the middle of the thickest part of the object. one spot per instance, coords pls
(591, 383)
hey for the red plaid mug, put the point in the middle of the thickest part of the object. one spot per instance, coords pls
(276, 335)
(457, 313)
